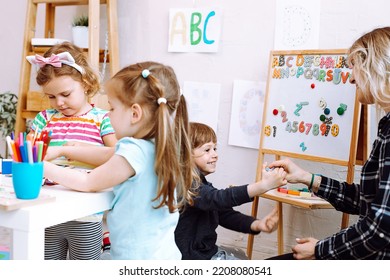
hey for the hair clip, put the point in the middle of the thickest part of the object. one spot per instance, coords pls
(161, 100)
(55, 60)
(145, 73)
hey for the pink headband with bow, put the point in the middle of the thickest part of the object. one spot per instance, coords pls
(56, 60)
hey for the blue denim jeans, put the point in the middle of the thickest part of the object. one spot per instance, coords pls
(225, 254)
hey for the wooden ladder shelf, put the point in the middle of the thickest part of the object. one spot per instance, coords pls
(35, 100)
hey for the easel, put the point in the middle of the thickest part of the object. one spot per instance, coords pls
(355, 156)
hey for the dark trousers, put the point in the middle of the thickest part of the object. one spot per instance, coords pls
(288, 256)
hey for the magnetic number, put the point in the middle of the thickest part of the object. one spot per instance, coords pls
(316, 129)
(283, 114)
(302, 127)
(308, 127)
(335, 130)
(294, 126)
(324, 129)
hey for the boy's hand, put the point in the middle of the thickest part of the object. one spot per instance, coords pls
(273, 178)
(268, 224)
(270, 180)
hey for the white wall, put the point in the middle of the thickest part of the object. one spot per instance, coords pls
(247, 37)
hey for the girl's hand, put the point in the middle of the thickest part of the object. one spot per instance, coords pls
(53, 152)
(268, 224)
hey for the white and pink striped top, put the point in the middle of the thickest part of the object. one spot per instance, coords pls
(88, 128)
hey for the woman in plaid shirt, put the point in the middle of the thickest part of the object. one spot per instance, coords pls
(369, 237)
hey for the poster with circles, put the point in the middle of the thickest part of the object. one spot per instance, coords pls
(309, 106)
(297, 24)
(247, 111)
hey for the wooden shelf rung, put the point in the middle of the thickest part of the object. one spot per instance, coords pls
(65, 2)
(29, 114)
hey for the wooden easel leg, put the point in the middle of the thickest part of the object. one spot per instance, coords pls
(94, 18)
(280, 229)
(24, 84)
(50, 21)
(251, 237)
(345, 220)
(112, 19)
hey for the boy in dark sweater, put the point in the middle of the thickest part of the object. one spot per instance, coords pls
(195, 233)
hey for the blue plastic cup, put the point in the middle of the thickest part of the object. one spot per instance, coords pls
(27, 179)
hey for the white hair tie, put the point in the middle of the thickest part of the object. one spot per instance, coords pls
(145, 73)
(55, 60)
(161, 100)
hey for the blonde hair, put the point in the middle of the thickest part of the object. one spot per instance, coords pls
(370, 57)
(89, 79)
(168, 125)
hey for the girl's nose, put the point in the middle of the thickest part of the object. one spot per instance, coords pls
(59, 101)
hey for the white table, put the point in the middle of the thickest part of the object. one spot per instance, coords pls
(29, 223)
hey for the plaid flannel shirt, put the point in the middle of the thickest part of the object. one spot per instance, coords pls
(369, 237)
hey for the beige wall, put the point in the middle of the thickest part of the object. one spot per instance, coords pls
(247, 38)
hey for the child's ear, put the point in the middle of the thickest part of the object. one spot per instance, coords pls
(136, 112)
(86, 88)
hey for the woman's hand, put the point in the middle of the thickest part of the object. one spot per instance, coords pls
(305, 249)
(295, 174)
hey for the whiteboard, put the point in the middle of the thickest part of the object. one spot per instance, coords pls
(310, 104)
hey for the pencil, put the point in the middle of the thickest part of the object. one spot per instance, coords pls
(15, 152)
(23, 153)
(11, 151)
(29, 152)
(40, 149)
(34, 152)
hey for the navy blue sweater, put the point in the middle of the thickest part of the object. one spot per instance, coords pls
(195, 233)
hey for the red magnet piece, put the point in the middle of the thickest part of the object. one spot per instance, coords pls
(312, 85)
(275, 112)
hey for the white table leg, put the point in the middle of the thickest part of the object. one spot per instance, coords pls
(28, 245)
